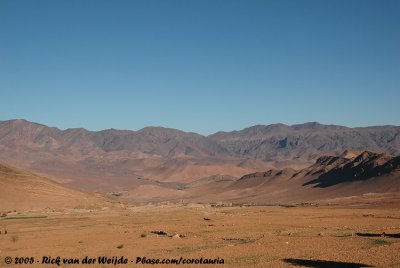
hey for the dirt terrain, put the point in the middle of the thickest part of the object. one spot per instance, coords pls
(263, 236)
(20, 189)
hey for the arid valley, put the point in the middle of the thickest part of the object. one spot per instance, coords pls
(267, 196)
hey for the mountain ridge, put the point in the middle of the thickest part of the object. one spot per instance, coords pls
(114, 159)
(297, 125)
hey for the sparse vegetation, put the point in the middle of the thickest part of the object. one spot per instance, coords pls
(84, 225)
(24, 217)
(120, 246)
(14, 238)
(380, 242)
(345, 234)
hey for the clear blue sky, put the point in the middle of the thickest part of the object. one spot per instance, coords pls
(199, 65)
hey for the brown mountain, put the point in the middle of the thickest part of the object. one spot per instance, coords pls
(365, 166)
(150, 140)
(307, 141)
(330, 177)
(112, 159)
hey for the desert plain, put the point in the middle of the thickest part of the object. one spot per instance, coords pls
(364, 235)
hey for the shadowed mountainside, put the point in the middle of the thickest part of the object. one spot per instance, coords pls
(329, 177)
(365, 166)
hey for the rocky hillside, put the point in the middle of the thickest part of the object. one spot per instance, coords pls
(307, 140)
(341, 177)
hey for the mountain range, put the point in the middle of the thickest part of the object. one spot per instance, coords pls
(174, 161)
(258, 142)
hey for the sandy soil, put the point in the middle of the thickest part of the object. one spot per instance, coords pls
(262, 236)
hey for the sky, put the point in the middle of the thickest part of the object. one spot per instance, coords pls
(199, 65)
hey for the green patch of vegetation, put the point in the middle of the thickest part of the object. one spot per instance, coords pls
(380, 242)
(375, 243)
(273, 258)
(206, 233)
(345, 234)
(24, 217)
(85, 225)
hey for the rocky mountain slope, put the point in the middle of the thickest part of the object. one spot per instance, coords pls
(330, 177)
(307, 141)
(112, 159)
